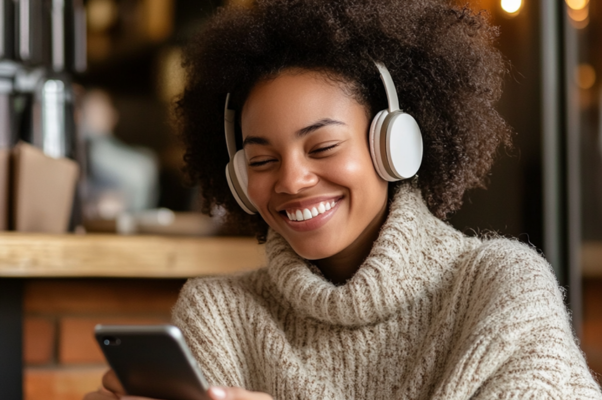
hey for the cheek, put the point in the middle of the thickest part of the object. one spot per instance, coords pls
(258, 190)
(367, 190)
(357, 168)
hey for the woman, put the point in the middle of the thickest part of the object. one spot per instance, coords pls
(368, 293)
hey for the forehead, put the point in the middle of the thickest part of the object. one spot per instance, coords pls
(295, 98)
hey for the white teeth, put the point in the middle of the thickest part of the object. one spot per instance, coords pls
(305, 214)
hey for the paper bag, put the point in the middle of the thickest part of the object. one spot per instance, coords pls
(43, 190)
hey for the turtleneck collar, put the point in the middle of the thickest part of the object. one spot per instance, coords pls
(413, 250)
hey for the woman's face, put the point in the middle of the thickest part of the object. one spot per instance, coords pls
(310, 172)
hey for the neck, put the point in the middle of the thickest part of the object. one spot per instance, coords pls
(340, 267)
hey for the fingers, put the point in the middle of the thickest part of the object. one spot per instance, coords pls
(224, 393)
(98, 396)
(101, 394)
(111, 383)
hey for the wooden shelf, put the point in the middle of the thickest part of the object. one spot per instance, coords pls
(28, 255)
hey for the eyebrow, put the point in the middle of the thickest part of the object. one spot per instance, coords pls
(301, 132)
(317, 125)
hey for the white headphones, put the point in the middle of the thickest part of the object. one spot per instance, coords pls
(395, 145)
(236, 170)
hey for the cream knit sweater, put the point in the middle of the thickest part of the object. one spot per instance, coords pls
(431, 314)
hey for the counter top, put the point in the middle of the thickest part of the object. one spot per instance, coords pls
(26, 255)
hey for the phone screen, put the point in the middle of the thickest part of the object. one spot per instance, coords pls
(152, 361)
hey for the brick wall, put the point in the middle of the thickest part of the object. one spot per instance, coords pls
(62, 359)
(591, 342)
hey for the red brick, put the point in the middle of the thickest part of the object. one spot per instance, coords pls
(77, 344)
(592, 299)
(61, 383)
(591, 343)
(39, 336)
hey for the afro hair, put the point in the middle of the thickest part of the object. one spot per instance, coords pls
(442, 58)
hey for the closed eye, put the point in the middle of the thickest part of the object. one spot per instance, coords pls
(260, 163)
(324, 149)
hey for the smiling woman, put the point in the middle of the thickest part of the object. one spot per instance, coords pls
(367, 292)
(307, 149)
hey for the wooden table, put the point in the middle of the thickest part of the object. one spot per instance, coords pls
(24, 256)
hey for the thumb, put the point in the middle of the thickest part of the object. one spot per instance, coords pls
(110, 382)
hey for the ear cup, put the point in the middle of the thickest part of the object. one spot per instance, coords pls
(238, 181)
(375, 148)
(395, 145)
(401, 142)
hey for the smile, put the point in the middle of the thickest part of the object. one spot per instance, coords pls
(310, 212)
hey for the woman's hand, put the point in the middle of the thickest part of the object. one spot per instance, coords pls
(111, 390)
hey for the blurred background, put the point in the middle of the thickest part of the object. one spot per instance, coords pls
(104, 102)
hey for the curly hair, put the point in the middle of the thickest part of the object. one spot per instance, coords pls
(442, 59)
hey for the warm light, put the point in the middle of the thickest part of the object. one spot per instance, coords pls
(511, 6)
(585, 75)
(580, 24)
(577, 4)
(578, 15)
(579, 18)
(101, 14)
(171, 77)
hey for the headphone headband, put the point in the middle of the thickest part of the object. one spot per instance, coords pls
(385, 76)
(229, 129)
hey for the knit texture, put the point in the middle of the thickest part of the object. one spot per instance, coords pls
(431, 314)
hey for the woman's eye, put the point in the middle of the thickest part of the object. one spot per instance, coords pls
(324, 149)
(260, 163)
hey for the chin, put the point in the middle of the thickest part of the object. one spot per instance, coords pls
(313, 250)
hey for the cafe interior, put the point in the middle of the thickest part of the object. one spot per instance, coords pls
(100, 225)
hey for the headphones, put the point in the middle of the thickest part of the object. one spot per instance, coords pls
(395, 145)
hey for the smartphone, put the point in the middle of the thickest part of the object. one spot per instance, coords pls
(152, 361)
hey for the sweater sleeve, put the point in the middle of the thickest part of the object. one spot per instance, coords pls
(527, 328)
(200, 313)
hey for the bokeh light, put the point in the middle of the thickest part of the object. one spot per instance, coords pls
(585, 75)
(511, 6)
(101, 15)
(577, 4)
(579, 17)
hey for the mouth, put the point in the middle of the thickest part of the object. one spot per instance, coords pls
(309, 212)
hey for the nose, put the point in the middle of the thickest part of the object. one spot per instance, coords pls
(295, 175)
